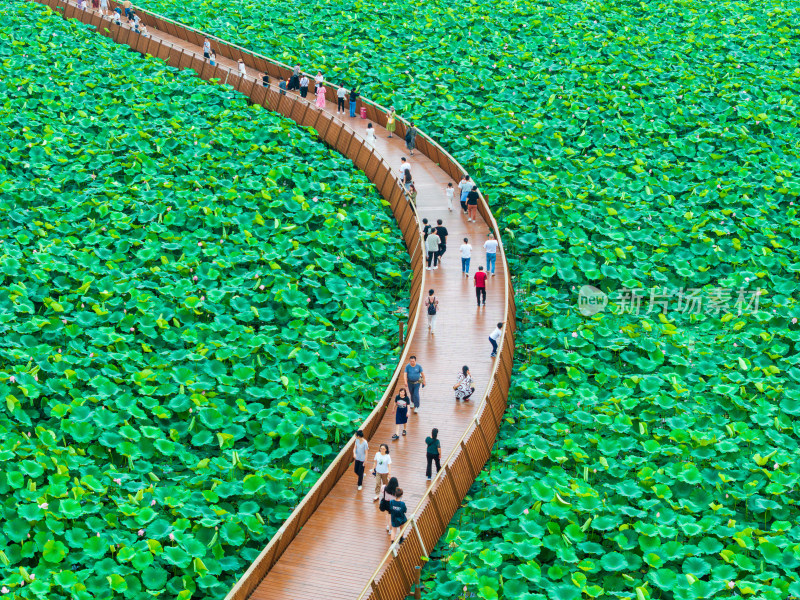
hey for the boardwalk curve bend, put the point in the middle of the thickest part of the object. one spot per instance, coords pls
(334, 545)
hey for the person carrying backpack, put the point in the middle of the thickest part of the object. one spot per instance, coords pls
(432, 304)
(411, 138)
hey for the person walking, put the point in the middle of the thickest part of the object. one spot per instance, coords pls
(412, 194)
(401, 402)
(408, 181)
(103, 8)
(294, 80)
(206, 45)
(442, 232)
(432, 305)
(480, 286)
(490, 246)
(282, 86)
(397, 509)
(303, 86)
(341, 94)
(433, 452)
(370, 136)
(411, 138)
(318, 78)
(321, 91)
(128, 6)
(466, 255)
(353, 101)
(432, 246)
(449, 192)
(242, 68)
(494, 337)
(388, 492)
(96, 5)
(412, 378)
(463, 387)
(381, 468)
(465, 185)
(391, 121)
(360, 450)
(472, 204)
(404, 166)
(426, 229)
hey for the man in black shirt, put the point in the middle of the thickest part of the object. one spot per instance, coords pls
(441, 231)
(265, 80)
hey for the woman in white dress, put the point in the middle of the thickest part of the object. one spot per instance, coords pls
(370, 139)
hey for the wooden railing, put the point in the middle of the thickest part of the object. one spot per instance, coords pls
(394, 576)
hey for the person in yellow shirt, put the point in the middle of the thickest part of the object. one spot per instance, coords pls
(127, 5)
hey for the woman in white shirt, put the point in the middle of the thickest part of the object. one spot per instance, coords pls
(382, 468)
(370, 135)
(466, 254)
(318, 81)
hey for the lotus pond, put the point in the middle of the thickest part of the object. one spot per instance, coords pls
(190, 318)
(648, 453)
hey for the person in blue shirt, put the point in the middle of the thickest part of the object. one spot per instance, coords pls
(413, 377)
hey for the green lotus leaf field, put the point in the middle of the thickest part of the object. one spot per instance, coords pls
(192, 295)
(651, 448)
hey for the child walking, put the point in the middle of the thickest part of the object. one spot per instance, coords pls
(401, 402)
(398, 512)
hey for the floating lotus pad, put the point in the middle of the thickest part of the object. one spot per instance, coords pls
(187, 313)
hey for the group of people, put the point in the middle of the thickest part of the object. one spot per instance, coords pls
(387, 488)
(131, 18)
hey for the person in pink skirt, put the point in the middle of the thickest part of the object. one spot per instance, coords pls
(321, 96)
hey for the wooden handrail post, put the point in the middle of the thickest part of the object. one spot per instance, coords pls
(417, 590)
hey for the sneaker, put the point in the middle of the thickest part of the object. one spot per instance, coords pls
(375, 499)
(404, 431)
(429, 478)
(492, 274)
(492, 355)
(397, 437)
(359, 488)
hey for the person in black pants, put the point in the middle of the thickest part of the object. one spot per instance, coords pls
(294, 80)
(441, 231)
(360, 450)
(303, 86)
(433, 453)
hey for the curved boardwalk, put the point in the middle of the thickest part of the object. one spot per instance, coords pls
(342, 546)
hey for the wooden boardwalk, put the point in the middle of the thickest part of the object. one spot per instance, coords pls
(337, 551)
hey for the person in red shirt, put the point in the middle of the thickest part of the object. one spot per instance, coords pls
(480, 285)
